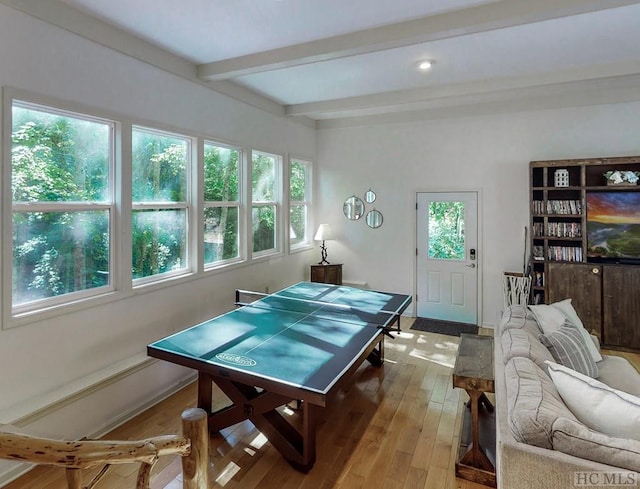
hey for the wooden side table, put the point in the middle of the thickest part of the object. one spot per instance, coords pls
(473, 372)
(327, 274)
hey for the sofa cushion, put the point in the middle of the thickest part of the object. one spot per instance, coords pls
(600, 407)
(618, 373)
(533, 403)
(519, 317)
(567, 310)
(569, 348)
(519, 343)
(549, 318)
(576, 439)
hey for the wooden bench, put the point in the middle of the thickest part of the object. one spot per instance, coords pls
(473, 372)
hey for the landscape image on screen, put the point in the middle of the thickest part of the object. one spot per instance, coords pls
(613, 225)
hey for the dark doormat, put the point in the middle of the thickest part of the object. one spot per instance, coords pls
(443, 327)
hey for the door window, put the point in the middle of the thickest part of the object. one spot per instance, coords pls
(446, 230)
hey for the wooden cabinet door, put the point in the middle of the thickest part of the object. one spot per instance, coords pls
(582, 283)
(317, 273)
(621, 306)
(334, 274)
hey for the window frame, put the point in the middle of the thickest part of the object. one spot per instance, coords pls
(121, 282)
(276, 203)
(12, 314)
(187, 205)
(239, 203)
(307, 243)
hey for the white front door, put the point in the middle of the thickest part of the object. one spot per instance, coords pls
(447, 256)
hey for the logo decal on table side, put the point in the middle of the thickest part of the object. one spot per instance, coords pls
(236, 359)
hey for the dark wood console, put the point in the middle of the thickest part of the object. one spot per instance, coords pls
(327, 274)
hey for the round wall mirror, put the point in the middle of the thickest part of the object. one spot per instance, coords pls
(374, 219)
(353, 208)
(369, 196)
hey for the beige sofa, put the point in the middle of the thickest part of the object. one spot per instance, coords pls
(540, 443)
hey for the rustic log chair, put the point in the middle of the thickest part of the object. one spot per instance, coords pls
(74, 456)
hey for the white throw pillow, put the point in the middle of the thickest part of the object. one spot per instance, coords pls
(598, 406)
(549, 318)
(567, 310)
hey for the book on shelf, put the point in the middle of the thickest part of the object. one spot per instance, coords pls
(565, 207)
(537, 206)
(564, 229)
(564, 253)
(538, 229)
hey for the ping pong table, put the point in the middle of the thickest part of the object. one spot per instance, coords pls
(299, 344)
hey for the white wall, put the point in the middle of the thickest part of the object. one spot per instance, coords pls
(42, 361)
(490, 154)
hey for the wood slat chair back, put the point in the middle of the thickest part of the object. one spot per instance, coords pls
(74, 456)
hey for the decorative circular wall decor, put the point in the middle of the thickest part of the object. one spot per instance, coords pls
(369, 196)
(374, 219)
(353, 208)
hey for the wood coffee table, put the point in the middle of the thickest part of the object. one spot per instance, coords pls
(473, 372)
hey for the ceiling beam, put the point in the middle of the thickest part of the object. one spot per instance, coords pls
(561, 95)
(484, 17)
(451, 93)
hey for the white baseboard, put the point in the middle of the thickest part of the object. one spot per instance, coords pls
(30, 410)
(355, 283)
(133, 412)
(12, 471)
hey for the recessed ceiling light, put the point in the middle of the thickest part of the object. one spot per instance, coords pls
(425, 65)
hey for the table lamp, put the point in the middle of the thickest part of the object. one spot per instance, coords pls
(323, 234)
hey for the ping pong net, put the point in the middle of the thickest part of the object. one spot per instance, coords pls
(364, 316)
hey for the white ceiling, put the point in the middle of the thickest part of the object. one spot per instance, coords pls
(332, 59)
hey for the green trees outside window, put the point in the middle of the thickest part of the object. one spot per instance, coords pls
(299, 202)
(264, 192)
(62, 203)
(446, 230)
(221, 203)
(160, 208)
(64, 208)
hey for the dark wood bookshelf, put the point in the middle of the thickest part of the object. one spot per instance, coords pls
(600, 292)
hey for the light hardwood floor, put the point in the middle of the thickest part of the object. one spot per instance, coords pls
(392, 427)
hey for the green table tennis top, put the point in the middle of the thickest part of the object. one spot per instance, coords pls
(305, 335)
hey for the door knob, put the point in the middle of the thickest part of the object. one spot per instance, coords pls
(473, 265)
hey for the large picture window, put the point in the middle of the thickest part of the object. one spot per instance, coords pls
(266, 171)
(69, 177)
(299, 197)
(62, 205)
(221, 189)
(160, 202)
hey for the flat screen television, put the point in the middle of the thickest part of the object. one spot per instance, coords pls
(613, 227)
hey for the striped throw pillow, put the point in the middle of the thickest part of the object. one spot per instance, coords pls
(568, 348)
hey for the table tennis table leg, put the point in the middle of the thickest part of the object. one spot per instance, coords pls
(376, 357)
(310, 416)
(205, 391)
(297, 445)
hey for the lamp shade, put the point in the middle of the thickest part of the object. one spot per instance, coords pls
(324, 233)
